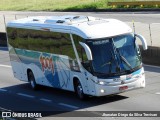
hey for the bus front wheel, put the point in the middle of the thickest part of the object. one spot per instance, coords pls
(79, 91)
(32, 81)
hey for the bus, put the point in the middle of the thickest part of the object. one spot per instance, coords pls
(87, 55)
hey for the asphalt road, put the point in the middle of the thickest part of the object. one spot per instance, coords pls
(145, 17)
(16, 95)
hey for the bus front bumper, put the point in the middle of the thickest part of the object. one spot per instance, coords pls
(103, 90)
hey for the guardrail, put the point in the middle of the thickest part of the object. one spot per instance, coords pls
(151, 56)
(134, 3)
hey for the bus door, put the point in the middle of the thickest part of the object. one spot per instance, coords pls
(86, 65)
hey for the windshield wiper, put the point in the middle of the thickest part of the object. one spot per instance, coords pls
(107, 63)
(125, 61)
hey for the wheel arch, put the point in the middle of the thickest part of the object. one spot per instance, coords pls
(28, 70)
(76, 79)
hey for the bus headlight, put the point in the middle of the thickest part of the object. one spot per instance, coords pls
(102, 91)
(103, 83)
(100, 82)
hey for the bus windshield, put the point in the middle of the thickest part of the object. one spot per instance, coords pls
(115, 56)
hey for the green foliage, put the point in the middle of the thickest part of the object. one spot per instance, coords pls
(47, 5)
(101, 4)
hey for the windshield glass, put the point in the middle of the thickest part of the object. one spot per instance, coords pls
(115, 55)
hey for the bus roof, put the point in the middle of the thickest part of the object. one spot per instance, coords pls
(85, 26)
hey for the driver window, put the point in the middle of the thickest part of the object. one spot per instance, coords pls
(83, 55)
(81, 52)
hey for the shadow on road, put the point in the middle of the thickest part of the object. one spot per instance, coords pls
(152, 69)
(56, 95)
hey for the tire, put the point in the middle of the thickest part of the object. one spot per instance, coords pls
(32, 81)
(79, 91)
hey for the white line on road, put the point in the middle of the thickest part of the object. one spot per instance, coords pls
(8, 66)
(25, 95)
(4, 90)
(46, 100)
(67, 105)
(157, 93)
(4, 109)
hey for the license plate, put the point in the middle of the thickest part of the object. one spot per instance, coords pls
(123, 88)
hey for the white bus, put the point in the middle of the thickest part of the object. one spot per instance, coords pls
(87, 55)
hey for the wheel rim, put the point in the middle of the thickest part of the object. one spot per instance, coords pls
(80, 91)
(32, 84)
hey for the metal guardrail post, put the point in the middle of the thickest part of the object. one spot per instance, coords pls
(15, 17)
(5, 25)
(150, 34)
(134, 30)
(4, 21)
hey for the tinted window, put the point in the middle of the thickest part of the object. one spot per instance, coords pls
(81, 52)
(44, 41)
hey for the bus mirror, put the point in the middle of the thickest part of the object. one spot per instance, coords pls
(87, 50)
(143, 40)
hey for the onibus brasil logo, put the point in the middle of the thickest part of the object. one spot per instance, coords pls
(46, 63)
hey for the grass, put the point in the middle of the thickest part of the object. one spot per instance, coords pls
(60, 5)
(44, 5)
(100, 4)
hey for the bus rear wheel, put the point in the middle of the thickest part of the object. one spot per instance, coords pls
(32, 81)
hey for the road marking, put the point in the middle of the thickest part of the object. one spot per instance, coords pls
(8, 66)
(46, 100)
(4, 109)
(4, 90)
(67, 105)
(157, 93)
(25, 95)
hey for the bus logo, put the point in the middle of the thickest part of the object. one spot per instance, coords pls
(46, 63)
(129, 76)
